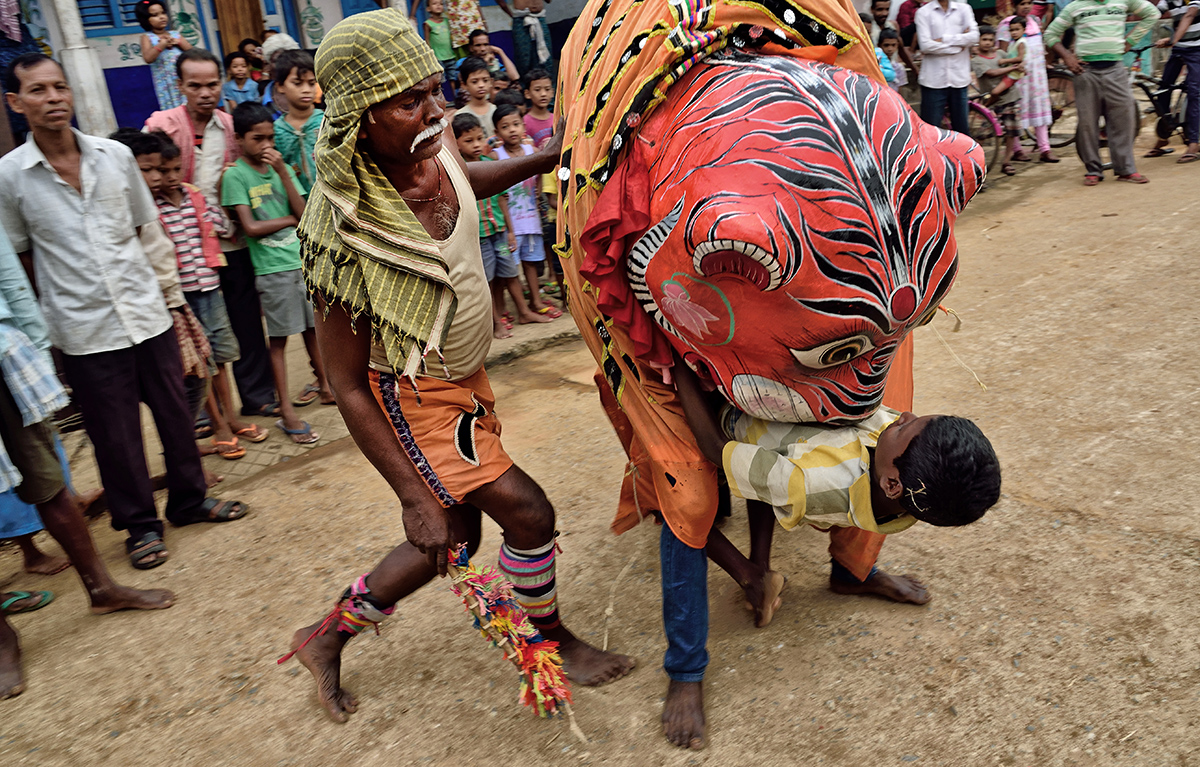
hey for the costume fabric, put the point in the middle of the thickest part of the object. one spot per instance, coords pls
(361, 245)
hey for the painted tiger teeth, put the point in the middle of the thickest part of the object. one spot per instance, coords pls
(760, 256)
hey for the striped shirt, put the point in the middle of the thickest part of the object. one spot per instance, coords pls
(1177, 8)
(1100, 27)
(184, 230)
(819, 475)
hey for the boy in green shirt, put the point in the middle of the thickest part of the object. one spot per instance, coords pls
(296, 131)
(264, 195)
(1101, 83)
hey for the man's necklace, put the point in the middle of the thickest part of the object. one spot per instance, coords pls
(428, 199)
(443, 211)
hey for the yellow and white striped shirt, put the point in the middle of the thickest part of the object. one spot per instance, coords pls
(819, 475)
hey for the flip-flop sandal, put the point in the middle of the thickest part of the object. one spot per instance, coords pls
(1008, 169)
(150, 544)
(1159, 152)
(1187, 157)
(293, 433)
(1134, 178)
(253, 433)
(203, 432)
(1092, 179)
(223, 511)
(303, 399)
(229, 455)
(1022, 157)
(552, 312)
(13, 597)
(263, 411)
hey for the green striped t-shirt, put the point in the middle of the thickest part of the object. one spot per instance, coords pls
(1100, 27)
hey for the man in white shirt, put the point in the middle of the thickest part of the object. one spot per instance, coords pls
(946, 31)
(73, 206)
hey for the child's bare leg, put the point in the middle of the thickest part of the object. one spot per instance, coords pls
(761, 585)
(222, 429)
(524, 315)
(531, 280)
(318, 367)
(499, 324)
(279, 370)
(37, 561)
(762, 531)
(12, 681)
(223, 393)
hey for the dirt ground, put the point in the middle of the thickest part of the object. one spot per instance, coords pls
(1062, 631)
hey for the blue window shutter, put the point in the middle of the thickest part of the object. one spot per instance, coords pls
(96, 14)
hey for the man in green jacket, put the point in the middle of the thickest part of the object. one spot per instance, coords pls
(1101, 82)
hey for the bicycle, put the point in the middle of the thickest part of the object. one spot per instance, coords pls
(985, 128)
(1061, 82)
(1169, 104)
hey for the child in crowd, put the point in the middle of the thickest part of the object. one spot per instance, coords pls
(437, 33)
(889, 43)
(539, 121)
(510, 97)
(160, 49)
(194, 226)
(497, 242)
(477, 82)
(1015, 58)
(194, 350)
(989, 70)
(296, 132)
(253, 50)
(264, 194)
(500, 83)
(240, 88)
(1033, 90)
(523, 206)
(883, 474)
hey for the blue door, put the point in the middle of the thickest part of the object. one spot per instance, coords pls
(351, 7)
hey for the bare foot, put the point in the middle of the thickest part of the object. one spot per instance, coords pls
(587, 665)
(124, 598)
(12, 681)
(207, 448)
(500, 330)
(211, 479)
(44, 564)
(323, 658)
(527, 318)
(898, 588)
(763, 597)
(683, 714)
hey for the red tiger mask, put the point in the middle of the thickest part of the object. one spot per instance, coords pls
(803, 228)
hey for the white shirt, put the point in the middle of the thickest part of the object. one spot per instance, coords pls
(946, 64)
(98, 290)
(208, 163)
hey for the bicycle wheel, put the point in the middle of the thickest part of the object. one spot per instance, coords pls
(1062, 107)
(985, 129)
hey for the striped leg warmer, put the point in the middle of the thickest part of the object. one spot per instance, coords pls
(532, 576)
(357, 609)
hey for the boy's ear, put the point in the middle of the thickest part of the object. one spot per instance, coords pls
(890, 484)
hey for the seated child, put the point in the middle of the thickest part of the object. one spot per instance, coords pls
(296, 131)
(264, 195)
(988, 68)
(497, 242)
(194, 226)
(240, 88)
(523, 207)
(883, 474)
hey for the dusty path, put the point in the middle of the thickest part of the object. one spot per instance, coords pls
(1062, 631)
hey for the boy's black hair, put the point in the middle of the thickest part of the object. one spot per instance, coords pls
(141, 12)
(877, 2)
(250, 40)
(987, 29)
(476, 33)
(249, 114)
(867, 19)
(509, 97)
(1017, 20)
(887, 34)
(286, 61)
(501, 77)
(464, 122)
(233, 56)
(12, 82)
(138, 142)
(195, 54)
(170, 150)
(534, 75)
(950, 473)
(504, 110)
(469, 66)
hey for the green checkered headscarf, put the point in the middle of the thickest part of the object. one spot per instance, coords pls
(360, 244)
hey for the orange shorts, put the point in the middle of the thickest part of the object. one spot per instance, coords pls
(449, 431)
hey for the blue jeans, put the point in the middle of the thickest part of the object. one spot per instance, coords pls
(1181, 57)
(685, 607)
(935, 101)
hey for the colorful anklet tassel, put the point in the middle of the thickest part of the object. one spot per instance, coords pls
(353, 612)
(489, 597)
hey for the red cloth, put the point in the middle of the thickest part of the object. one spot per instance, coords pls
(178, 125)
(907, 15)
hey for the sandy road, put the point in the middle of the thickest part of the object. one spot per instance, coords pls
(1063, 629)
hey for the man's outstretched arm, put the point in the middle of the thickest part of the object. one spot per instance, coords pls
(492, 178)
